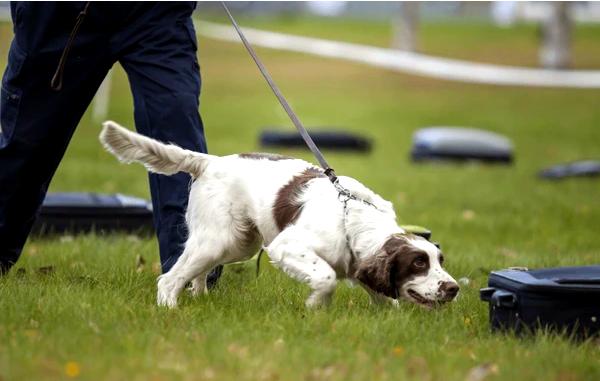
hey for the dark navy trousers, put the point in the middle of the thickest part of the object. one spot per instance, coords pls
(156, 45)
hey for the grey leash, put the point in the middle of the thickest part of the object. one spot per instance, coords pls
(343, 194)
(307, 139)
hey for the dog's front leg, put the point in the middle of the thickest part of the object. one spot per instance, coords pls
(291, 252)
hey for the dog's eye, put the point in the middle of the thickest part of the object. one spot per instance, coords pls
(441, 259)
(420, 263)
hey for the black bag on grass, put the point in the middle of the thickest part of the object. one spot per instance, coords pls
(77, 212)
(332, 139)
(560, 299)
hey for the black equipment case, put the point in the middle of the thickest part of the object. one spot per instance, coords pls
(562, 299)
(79, 212)
(326, 139)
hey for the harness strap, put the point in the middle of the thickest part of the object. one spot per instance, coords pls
(260, 253)
(344, 219)
(344, 196)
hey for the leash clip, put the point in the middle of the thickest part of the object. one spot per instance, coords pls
(343, 192)
(330, 173)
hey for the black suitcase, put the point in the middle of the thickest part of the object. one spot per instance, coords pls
(565, 299)
(79, 212)
(332, 139)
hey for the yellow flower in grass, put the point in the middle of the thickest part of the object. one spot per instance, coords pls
(398, 351)
(72, 369)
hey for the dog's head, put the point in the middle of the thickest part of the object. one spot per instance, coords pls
(408, 267)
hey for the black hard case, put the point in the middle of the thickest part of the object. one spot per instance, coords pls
(80, 212)
(562, 299)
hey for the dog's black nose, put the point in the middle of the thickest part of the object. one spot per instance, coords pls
(450, 289)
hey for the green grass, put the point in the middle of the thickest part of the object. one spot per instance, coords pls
(95, 317)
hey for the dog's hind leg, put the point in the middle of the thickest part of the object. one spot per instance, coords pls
(197, 259)
(199, 285)
(291, 252)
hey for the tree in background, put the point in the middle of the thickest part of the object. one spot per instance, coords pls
(556, 30)
(406, 27)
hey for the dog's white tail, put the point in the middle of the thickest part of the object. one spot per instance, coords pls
(166, 159)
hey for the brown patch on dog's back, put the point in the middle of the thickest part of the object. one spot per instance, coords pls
(388, 270)
(286, 208)
(263, 156)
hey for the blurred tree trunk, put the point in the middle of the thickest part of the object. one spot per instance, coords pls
(405, 27)
(555, 49)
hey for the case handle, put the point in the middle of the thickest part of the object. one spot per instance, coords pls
(485, 294)
(498, 298)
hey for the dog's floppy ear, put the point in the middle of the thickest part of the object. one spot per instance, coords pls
(380, 271)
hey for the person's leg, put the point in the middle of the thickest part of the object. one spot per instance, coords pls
(164, 75)
(36, 123)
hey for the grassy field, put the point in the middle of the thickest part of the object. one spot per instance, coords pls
(94, 317)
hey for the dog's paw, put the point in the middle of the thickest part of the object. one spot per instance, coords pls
(165, 300)
(317, 300)
(312, 305)
(165, 297)
(162, 300)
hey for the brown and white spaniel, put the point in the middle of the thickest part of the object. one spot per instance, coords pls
(239, 202)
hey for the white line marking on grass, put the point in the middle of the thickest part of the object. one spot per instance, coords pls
(413, 63)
